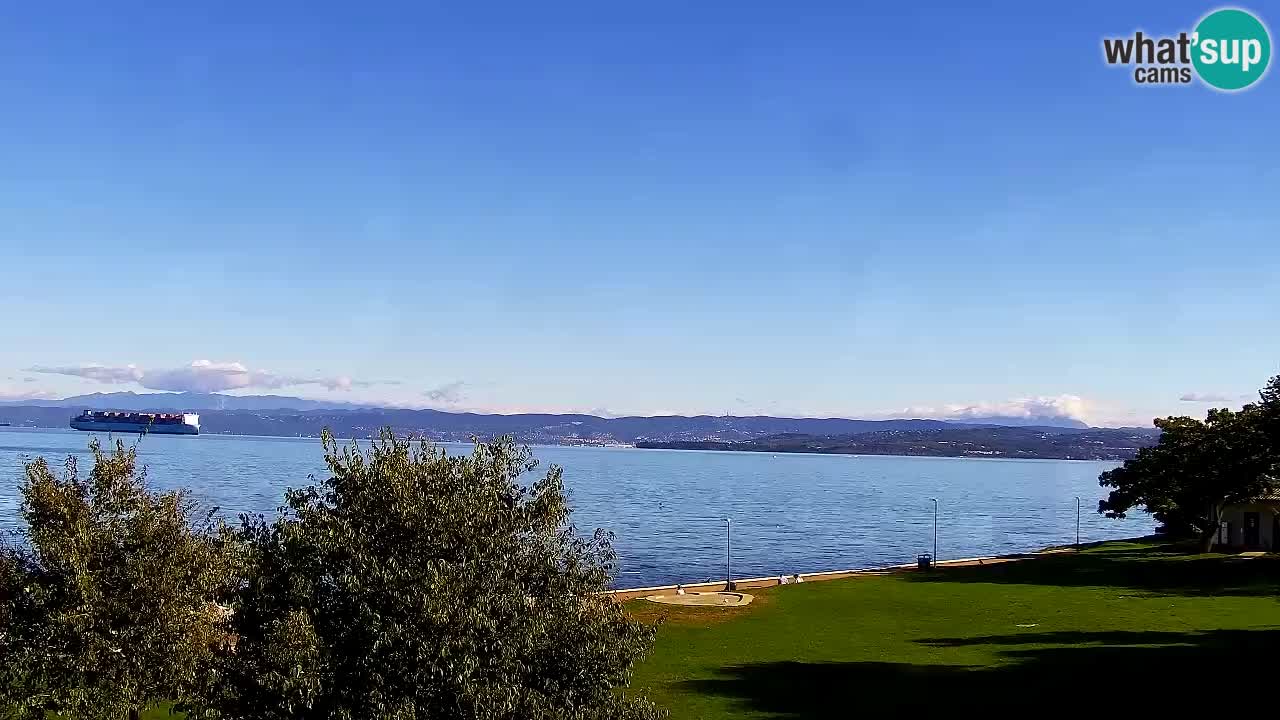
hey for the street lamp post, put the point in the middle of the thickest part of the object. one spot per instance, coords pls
(935, 529)
(728, 570)
(1077, 523)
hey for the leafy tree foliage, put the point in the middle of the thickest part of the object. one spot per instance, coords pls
(107, 601)
(1195, 469)
(413, 584)
(1271, 412)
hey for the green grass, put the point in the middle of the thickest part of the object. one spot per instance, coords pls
(1129, 625)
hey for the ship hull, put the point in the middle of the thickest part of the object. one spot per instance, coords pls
(134, 428)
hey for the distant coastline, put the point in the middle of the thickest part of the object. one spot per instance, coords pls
(675, 447)
(979, 442)
(905, 437)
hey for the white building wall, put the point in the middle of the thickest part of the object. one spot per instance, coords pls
(1233, 516)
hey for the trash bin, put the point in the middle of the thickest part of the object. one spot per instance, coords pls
(925, 561)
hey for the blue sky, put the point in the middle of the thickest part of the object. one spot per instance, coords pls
(826, 208)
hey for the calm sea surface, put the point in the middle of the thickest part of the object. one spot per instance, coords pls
(667, 508)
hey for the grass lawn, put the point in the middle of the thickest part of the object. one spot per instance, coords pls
(1119, 626)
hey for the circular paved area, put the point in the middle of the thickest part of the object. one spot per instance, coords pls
(712, 599)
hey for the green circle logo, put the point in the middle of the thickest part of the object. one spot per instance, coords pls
(1231, 49)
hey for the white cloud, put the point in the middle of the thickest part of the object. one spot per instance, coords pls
(199, 376)
(101, 373)
(1066, 407)
(1205, 397)
(208, 376)
(447, 394)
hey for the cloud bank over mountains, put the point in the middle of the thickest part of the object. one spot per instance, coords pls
(1059, 407)
(447, 394)
(208, 376)
(199, 376)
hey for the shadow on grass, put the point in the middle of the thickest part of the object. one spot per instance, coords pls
(1070, 672)
(1150, 566)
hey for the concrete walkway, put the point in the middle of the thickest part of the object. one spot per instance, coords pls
(622, 595)
(702, 599)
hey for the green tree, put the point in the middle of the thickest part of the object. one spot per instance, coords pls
(108, 599)
(414, 584)
(1195, 469)
(1270, 395)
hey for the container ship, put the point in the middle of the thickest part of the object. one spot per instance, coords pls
(137, 422)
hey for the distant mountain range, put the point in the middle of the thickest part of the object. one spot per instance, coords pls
(292, 417)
